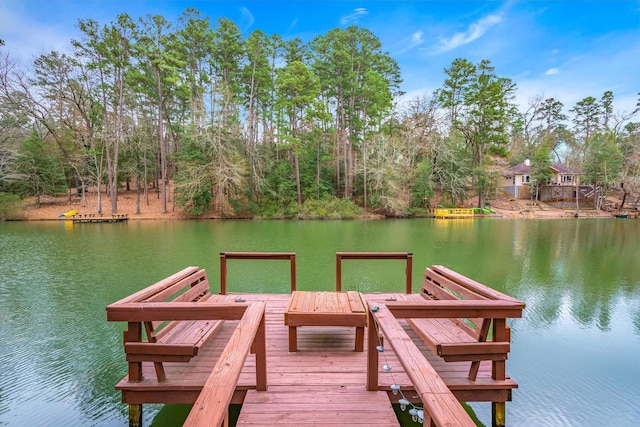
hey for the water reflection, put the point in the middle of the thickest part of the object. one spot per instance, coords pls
(577, 344)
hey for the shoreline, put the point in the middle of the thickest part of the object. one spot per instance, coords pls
(50, 209)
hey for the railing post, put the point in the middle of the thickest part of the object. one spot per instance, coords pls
(372, 351)
(338, 272)
(292, 266)
(409, 272)
(223, 273)
(260, 350)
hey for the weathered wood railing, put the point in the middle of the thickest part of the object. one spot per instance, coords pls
(440, 406)
(224, 256)
(211, 408)
(408, 256)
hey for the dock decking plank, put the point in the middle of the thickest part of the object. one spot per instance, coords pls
(313, 405)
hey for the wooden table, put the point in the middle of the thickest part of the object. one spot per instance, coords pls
(325, 309)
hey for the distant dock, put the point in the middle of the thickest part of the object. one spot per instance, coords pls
(93, 218)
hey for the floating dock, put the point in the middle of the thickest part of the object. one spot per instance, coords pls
(453, 213)
(92, 218)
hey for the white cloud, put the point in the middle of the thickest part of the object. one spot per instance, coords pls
(247, 17)
(292, 25)
(416, 39)
(552, 72)
(38, 39)
(474, 32)
(355, 16)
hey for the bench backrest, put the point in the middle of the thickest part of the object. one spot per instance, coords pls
(168, 288)
(188, 285)
(443, 284)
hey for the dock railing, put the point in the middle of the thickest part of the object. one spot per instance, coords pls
(211, 407)
(408, 256)
(224, 256)
(439, 405)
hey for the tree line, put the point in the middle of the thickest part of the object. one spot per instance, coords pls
(263, 126)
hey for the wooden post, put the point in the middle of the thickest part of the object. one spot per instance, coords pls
(223, 273)
(135, 415)
(372, 352)
(409, 272)
(260, 350)
(338, 272)
(134, 334)
(292, 266)
(498, 414)
(499, 367)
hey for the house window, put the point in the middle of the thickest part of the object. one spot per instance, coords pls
(525, 179)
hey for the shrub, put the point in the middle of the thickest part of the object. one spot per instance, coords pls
(10, 207)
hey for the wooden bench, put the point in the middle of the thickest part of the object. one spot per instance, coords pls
(470, 323)
(169, 338)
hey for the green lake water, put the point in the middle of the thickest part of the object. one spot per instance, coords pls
(575, 353)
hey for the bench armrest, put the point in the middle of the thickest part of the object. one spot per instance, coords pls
(487, 309)
(211, 407)
(161, 311)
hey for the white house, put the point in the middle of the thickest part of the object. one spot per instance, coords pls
(519, 178)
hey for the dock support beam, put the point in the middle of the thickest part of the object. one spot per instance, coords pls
(135, 415)
(498, 414)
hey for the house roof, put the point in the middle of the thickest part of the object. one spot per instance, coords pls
(520, 169)
(563, 169)
(523, 169)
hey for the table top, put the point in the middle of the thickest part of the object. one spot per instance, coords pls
(349, 302)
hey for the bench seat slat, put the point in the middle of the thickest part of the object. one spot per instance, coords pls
(195, 333)
(438, 331)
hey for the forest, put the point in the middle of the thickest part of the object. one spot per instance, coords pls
(272, 128)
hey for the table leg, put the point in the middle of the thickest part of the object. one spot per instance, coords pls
(293, 339)
(360, 339)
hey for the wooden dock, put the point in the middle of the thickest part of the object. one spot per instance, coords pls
(92, 218)
(325, 379)
(452, 213)
(201, 356)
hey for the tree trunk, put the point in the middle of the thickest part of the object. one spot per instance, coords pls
(163, 150)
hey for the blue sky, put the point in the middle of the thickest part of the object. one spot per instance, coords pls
(564, 49)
